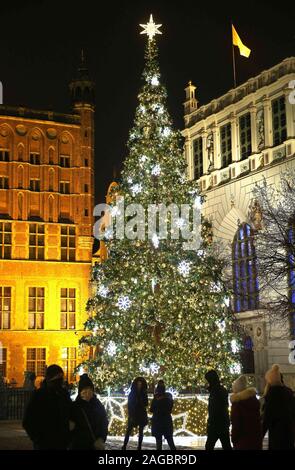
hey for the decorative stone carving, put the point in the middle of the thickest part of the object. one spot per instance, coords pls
(21, 129)
(3, 132)
(210, 150)
(260, 129)
(65, 139)
(35, 136)
(255, 214)
(51, 133)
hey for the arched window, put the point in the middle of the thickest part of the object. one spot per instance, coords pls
(244, 270)
(247, 356)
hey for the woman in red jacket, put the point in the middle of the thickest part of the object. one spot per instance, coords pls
(245, 417)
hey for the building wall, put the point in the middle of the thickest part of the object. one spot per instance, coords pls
(228, 190)
(24, 205)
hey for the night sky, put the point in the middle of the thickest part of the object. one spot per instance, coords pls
(40, 43)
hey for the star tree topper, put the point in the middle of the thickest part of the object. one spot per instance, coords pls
(151, 29)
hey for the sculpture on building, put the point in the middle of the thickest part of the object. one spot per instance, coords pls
(255, 214)
(210, 151)
(260, 129)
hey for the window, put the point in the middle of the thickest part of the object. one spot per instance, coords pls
(3, 362)
(244, 270)
(69, 362)
(245, 136)
(247, 356)
(198, 158)
(64, 161)
(36, 361)
(279, 124)
(4, 155)
(36, 241)
(64, 187)
(86, 212)
(225, 145)
(36, 308)
(5, 307)
(5, 240)
(67, 309)
(86, 162)
(35, 158)
(68, 243)
(4, 182)
(35, 185)
(86, 188)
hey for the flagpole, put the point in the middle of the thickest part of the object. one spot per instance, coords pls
(234, 59)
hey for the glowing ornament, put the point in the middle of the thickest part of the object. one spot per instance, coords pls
(103, 291)
(184, 268)
(111, 348)
(136, 188)
(234, 346)
(235, 369)
(143, 159)
(124, 302)
(142, 108)
(155, 80)
(166, 131)
(156, 170)
(150, 29)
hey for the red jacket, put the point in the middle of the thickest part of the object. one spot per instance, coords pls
(246, 422)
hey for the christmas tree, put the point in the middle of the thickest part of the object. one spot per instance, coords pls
(159, 309)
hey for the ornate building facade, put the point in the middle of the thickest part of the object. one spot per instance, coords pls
(230, 144)
(46, 205)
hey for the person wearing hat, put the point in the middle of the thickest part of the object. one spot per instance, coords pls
(47, 416)
(246, 433)
(218, 416)
(90, 418)
(279, 411)
(161, 408)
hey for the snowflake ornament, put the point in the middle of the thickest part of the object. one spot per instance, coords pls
(124, 302)
(184, 268)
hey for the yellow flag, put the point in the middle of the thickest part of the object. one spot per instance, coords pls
(244, 50)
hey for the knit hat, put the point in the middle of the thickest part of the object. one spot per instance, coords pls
(53, 372)
(240, 384)
(85, 382)
(273, 375)
(212, 377)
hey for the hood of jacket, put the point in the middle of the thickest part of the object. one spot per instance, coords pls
(243, 395)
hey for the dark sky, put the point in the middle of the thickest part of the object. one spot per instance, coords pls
(40, 43)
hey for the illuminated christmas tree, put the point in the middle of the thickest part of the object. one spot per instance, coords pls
(159, 309)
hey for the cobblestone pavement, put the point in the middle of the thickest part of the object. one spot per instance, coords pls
(13, 437)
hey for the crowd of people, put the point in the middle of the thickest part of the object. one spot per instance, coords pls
(53, 421)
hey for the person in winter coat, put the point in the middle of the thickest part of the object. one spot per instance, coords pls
(137, 414)
(162, 424)
(278, 412)
(90, 418)
(246, 433)
(47, 416)
(218, 415)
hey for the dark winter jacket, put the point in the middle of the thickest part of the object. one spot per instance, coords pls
(218, 414)
(137, 404)
(161, 407)
(91, 423)
(279, 417)
(47, 416)
(245, 418)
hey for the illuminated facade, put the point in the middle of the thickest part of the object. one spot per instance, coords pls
(230, 144)
(46, 205)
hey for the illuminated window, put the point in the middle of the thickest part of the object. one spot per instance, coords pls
(292, 277)
(35, 185)
(36, 361)
(36, 241)
(68, 243)
(225, 145)
(64, 187)
(245, 136)
(64, 161)
(4, 182)
(3, 362)
(5, 307)
(4, 155)
(35, 158)
(67, 309)
(244, 270)
(198, 157)
(247, 356)
(5, 240)
(69, 362)
(36, 308)
(279, 123)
